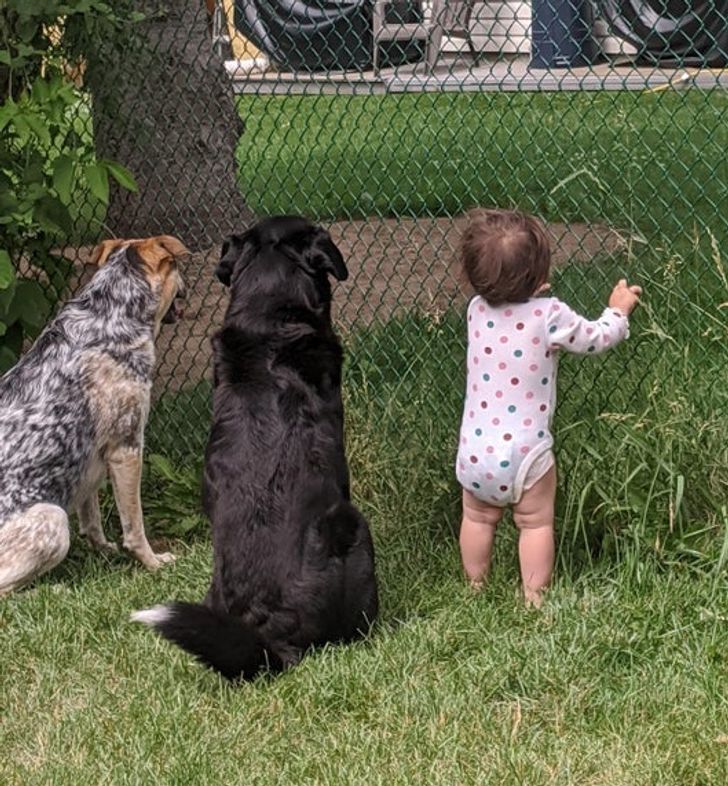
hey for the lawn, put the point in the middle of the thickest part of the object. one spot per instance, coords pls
(620, 678)
(652, 160)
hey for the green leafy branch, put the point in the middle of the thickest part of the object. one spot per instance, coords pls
(48, 165)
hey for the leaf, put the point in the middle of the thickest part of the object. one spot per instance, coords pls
(57, 267)
(22, 129)
(40, 91)
(6, 301)
(13, 340)
(121, 174)
(8, 203)
(161, 465)
(28, 50)
(39, 128)
(27, 29)
(7, 359)
(59, 274)
(7, 112)
(63, 169)
(29, 306)
(98, 181)
(52, 214)
(7, 273)
(3, 328)
(34, 170)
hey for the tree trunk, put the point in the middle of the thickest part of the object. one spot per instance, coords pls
(163, 107)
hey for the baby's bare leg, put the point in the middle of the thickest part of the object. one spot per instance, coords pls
(477, 534)
(534, 517)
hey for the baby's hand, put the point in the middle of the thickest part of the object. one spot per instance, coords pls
(624, 298)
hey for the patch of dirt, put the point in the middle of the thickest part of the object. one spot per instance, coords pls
(395, 266)
(399, 266)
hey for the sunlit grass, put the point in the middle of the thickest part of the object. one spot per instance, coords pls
(652, 162)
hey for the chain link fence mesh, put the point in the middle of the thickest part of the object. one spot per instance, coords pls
(386, 121)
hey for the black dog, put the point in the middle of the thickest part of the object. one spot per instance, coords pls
(293, 558)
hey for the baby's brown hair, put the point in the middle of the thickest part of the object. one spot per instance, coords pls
(505, 254)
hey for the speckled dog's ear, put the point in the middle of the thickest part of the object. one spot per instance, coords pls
(104, 250)
(159, 253)
(172, 245)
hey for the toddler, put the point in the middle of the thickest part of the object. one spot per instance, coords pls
(505, 454)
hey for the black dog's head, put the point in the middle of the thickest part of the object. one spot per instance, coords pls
(283, 251)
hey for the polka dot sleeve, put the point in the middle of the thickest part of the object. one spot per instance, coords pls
(565, 329)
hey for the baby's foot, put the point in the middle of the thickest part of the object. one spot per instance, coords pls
(476, 586)
(533, 598)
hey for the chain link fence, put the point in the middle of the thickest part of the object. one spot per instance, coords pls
(386, 121)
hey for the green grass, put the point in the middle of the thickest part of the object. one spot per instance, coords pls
(651, 160)
(619, 680)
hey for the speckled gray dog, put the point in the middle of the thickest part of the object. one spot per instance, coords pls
(75, 407)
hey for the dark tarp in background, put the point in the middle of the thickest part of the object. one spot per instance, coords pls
(320, 35)
(691, 33)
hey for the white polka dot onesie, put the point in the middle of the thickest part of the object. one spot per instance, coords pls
(513, 350)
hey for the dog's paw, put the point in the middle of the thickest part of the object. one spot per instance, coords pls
(104, 546)
(161, 559)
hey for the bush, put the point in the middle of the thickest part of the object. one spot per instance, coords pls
(45, 162)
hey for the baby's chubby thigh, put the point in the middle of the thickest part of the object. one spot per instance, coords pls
(479, 512)
(536, 506)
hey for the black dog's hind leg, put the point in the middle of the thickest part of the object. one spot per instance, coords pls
(344, 534)
(286, 657)
(339, 528)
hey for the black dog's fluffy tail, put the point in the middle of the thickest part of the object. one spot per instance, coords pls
(217, 640)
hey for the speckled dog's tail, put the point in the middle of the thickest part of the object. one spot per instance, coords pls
(219, 641)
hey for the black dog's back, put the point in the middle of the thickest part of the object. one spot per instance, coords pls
(293, 558)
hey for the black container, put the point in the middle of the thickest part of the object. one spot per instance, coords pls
(561, 34)
(396, 53)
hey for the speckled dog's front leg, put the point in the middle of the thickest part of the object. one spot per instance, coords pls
(125, 470)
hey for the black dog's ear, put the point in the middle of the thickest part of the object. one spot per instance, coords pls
(321, 253)
(232, 248)
(224, 269)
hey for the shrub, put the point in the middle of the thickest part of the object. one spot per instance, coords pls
(47, 158)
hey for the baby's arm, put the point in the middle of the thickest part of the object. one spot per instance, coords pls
(568, 330)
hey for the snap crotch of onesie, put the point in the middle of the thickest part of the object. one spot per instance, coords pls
(500, 478)
(535, 465)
